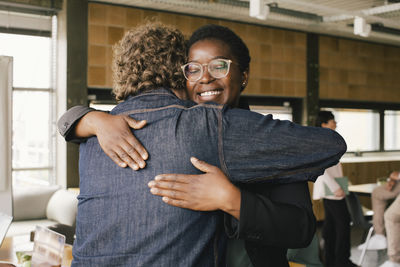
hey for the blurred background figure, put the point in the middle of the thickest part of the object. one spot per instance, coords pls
(336, 228)
(392, 224)
(381, 197)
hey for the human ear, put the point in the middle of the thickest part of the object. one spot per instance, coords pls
(245, 79)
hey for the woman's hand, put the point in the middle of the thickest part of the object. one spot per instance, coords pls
(393, 178)
(340, 193)
(390, 184)
(204, 192)
(394, 175)
(115, 137)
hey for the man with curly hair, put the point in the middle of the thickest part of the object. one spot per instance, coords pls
(119, 222)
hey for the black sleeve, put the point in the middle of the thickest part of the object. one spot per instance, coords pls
(67, 122)
(274, 215)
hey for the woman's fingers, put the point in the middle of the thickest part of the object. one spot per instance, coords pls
(202, 165)
(120, 158)
(130, 155)
(136, 146)
(114, 157)
(174, 177)
(170, 185)
(183, 178)
(119, 143)
(194, 191)
(173, 194)
(175, 202)
(135, 124)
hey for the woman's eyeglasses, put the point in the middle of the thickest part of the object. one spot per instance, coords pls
(217, 68)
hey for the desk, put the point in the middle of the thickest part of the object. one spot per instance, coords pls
(8, 248)
(363, 189)
(13, 243)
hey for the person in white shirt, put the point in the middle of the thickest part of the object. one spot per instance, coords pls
(336, 228)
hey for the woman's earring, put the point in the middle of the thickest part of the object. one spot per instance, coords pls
(243, 86)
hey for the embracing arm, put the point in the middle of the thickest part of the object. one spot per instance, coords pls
(275, 215)
(204, 192)
(67, 123)
(113, 132)
(256, 148)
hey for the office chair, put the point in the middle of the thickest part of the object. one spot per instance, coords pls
(359, 220)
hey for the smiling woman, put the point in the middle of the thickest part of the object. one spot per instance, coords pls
(214, 42)
(223, 90)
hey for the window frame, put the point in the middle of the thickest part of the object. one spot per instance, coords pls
(374, 106)
(52, 34)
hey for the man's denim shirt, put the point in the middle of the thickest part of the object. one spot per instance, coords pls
(120, 223)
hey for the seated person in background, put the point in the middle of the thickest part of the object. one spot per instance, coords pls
(381, 196)
(188, 132)
(392, 224)
(336, 228)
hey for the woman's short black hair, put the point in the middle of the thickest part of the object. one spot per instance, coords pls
(323, 117)
(226, 35)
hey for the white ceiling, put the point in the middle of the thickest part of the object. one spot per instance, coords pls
(332, 17)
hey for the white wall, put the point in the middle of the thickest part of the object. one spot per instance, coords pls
(61, 94)
(6, 64)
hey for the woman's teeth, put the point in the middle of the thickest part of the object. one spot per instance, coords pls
(209, 93)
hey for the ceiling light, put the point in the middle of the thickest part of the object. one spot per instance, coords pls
(259, 9)
(361, 27)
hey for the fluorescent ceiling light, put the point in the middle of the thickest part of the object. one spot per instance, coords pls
(259, 9)
(361, 27)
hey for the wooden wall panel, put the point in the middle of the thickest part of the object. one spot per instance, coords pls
(278, 65)
(368, 172)
(359, 70)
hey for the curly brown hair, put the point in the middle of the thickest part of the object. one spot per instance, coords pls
(148, 57)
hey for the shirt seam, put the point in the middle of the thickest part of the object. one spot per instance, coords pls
(137, 111)
(221, 145)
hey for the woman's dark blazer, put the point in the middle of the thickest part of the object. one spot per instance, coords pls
(273, 218)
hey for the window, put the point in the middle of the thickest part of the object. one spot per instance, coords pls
(359, 127)
(33, 124)
(102, 106)
(277, 112)
(392, 129)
